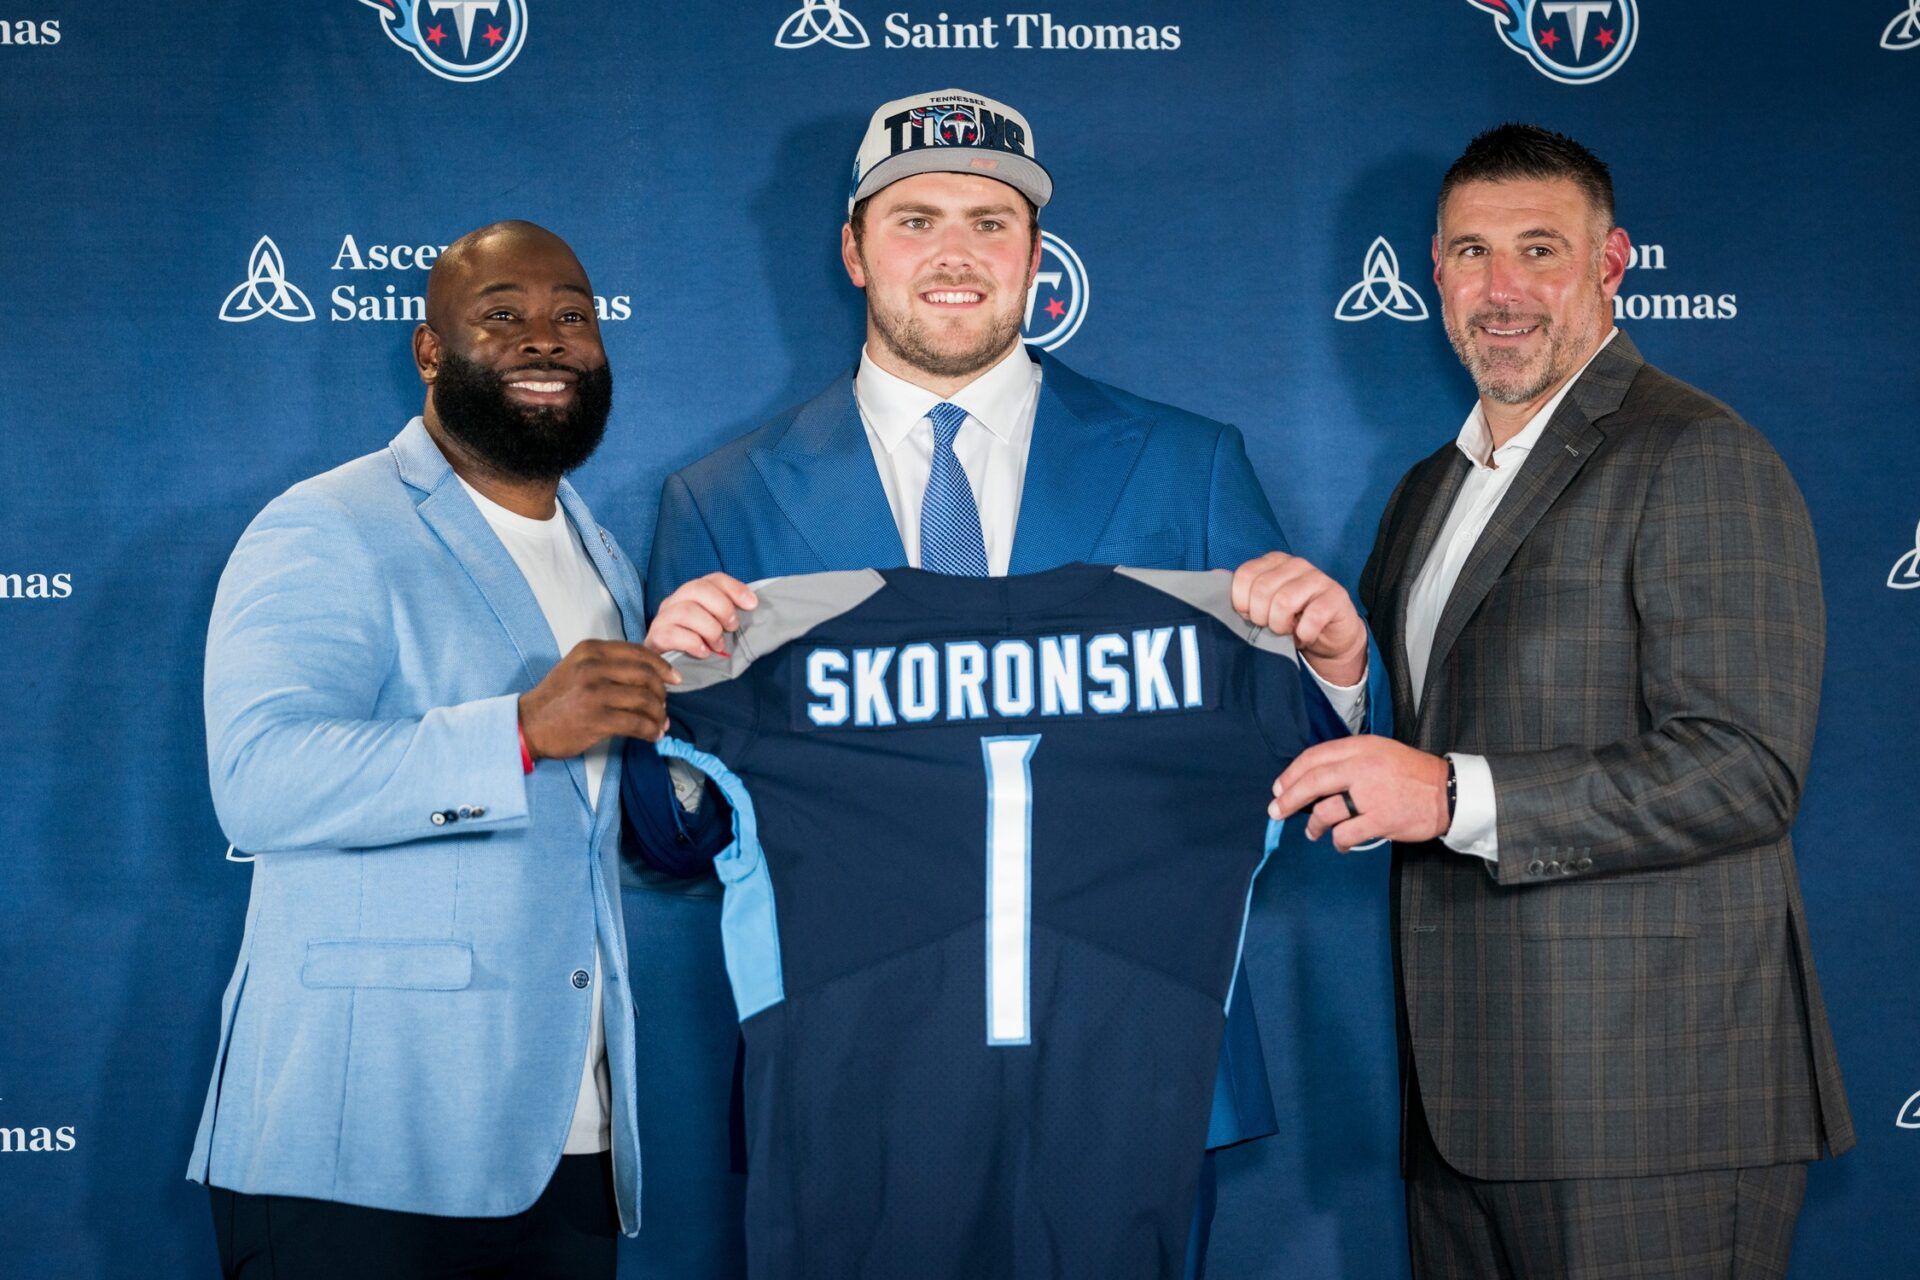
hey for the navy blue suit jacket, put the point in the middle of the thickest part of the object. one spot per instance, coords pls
(1111, 479)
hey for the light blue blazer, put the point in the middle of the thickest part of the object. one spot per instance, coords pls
(408, 1020)
(1111, 479)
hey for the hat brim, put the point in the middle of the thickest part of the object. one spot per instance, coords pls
(1019, 172)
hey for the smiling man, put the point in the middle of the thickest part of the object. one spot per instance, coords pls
(415, 667)
(1600, 609)
(954, 448)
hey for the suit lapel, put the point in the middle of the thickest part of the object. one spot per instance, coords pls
(623, 584)
(1084, 447)
(1565, 447)
(450, 513)
(822, 476)
(1429, 498)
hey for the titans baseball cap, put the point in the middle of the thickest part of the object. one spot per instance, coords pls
(951, 131)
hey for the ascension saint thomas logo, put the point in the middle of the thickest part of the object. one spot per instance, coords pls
(1381, 291)
(821, 20)
(1572, 41)
(461, 40)
(266, 291)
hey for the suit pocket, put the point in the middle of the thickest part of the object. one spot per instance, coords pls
(1162, 550)
(1662, 908)
(420, 965)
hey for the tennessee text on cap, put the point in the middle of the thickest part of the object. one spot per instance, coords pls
(951, 131)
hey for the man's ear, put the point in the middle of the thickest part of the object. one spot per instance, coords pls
(426, 353)
(850, 257)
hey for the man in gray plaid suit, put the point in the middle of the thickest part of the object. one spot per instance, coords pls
(1601, 612)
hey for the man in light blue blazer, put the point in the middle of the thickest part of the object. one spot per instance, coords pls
(426, 1052)
(952, 447)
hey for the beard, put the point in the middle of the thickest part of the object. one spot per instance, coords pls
(910, 338)
(528, 442)
(1506, 376)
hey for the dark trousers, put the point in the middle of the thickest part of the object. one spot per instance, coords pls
(1720, 1224)
(567, 1234)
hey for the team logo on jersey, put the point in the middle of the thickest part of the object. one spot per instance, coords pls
(457, 39)
(1572, 41)
(1057, 303)
(266, 291)
(1904, 31)
(1906, 570)
(817, 20)
(1381, 291)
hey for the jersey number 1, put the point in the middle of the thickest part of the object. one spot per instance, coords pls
(1009, 763)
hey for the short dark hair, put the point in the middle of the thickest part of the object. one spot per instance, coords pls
(857, 218)
(1513, 152)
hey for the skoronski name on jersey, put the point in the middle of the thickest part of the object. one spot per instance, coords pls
(1151, 669)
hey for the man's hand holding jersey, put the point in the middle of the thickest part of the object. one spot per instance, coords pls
(601, 689)
(1290, 597)
(696, 618)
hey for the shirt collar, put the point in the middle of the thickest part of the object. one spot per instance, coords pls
(893, 407)
(1475, 439)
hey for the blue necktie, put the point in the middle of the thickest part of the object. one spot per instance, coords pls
(950, 540)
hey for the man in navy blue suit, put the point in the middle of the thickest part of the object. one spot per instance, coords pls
(951, 447)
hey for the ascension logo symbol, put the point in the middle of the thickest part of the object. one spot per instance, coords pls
(1572, 41)
(1904, 31)
(1064, 286)
(1906, 570)
(480, 55)
(266, 291)
(817, 20)
(1909, 1117)
(1381, 291)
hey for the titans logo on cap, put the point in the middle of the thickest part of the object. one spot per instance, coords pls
(1572, 41)
(954, 124)
(457, 39)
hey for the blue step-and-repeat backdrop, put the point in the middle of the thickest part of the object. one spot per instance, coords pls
(217, 219)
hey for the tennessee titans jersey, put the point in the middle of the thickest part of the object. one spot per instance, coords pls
(995, 840)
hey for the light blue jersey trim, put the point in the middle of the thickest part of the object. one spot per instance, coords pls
(1273, 842)
(749, 925)
(1030, 741)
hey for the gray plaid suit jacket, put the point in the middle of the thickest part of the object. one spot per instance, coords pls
(1635, 645)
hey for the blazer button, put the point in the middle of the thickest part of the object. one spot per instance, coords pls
(1535, 867)
(581, 978)
(466, 811)
(479, 811)
(439, 818)
(1585, 864)
(1553, 866)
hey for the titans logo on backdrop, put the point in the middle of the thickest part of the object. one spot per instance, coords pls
(995, 841)
(457, 39)
(1572, 41)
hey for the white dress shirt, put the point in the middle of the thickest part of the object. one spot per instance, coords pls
(992, 446)
(578, 607)
(1475, 822)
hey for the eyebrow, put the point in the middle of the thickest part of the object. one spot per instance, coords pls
(1536, 233)
(933, 211)
(507, 286)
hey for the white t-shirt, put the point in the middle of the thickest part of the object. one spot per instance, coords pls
(578, 607)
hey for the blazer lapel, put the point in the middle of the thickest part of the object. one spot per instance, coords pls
(1429, 498)
(822, 476)
(1569, 440)
(450, 513)
(1084, 447)
(623, 584)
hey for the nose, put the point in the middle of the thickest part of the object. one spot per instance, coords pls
(955, 250)
(1503, 281)
(542, 338)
